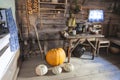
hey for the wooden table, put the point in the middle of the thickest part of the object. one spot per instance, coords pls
(78, 38)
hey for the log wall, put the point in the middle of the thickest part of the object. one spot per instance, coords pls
(52, 25)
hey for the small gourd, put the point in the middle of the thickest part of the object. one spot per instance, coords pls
(68, 67)
(55, 57)
(56, 70)
(41, 69)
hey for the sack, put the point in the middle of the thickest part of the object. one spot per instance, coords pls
(78, 51)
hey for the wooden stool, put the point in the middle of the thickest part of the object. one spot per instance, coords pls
(103, 43)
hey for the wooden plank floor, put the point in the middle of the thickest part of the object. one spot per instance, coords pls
(104, 67)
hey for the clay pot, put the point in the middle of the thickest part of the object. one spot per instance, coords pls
(114, 50)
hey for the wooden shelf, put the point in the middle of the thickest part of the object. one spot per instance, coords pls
(54, 23)
(52, 3)
(52, 9)
(55, 18)
(49, 13)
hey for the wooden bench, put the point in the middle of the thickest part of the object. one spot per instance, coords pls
(103, 43)
(115, 41)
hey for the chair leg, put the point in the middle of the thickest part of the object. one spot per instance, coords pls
(107, 50)
(92, 52)
(98, 49)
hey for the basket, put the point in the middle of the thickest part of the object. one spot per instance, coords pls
(114, 50)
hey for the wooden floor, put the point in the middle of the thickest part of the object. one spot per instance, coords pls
(104, 67)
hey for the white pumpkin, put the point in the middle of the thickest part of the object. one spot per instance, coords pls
(56, 70)
(68, 67)
(41, 69)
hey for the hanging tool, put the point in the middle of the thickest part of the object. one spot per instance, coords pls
(36, 32)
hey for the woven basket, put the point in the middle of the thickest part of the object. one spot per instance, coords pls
(114, 50)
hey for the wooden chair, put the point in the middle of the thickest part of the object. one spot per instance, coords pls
(103, 43)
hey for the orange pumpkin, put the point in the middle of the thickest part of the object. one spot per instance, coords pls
(55, 57)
